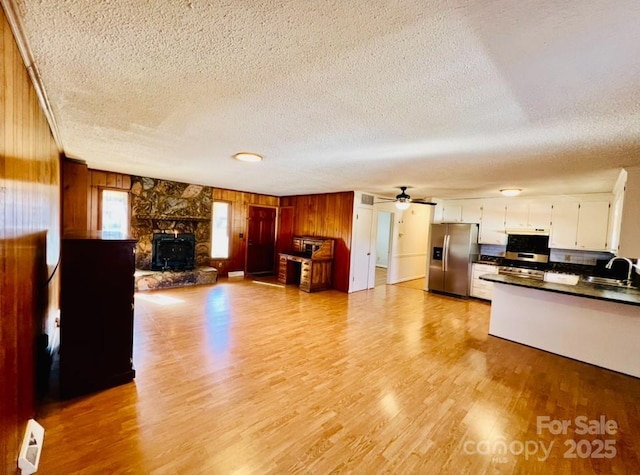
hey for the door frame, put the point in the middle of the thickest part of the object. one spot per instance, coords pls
(397, 266)
(389, 238)
(392, 261)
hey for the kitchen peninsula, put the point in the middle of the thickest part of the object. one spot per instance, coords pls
(308, 264)
(595, 324)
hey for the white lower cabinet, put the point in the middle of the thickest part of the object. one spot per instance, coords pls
(482, 289)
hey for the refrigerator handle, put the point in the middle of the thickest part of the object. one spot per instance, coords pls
(445, 252)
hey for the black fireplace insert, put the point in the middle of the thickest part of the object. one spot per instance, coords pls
(173, 251)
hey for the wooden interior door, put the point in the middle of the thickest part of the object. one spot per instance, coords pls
(261, 240)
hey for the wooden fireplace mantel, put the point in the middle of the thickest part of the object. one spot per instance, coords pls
(172, 218)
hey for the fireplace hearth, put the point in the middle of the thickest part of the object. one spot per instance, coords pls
(173, 251)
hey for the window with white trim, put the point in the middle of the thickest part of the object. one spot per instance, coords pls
(115, 211)
(221, 230)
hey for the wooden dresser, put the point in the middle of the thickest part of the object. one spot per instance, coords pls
(96, 312)
(309, 264)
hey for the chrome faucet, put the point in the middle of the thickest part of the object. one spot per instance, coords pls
(628, 261)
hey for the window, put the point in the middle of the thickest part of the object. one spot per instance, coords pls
(220, 235)
(115, 211)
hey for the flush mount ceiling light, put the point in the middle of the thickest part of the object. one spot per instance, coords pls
(510, 191)
(248, 157)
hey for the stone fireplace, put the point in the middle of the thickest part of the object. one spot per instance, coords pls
(170, 208)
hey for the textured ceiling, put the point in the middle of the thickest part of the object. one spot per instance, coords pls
(454, 98)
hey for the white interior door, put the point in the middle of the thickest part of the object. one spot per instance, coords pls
(362, 250)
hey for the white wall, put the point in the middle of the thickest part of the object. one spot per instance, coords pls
(383, 238)
(409, 243)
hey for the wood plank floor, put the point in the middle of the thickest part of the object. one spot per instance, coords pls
(252, 378)
(381, 276)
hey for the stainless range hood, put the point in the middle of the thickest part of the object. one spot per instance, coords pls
(532, 247)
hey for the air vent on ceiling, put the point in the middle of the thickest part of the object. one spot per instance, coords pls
(366, 200)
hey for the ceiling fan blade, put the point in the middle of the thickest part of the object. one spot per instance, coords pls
(403, 197)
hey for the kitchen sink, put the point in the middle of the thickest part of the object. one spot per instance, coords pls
(606, 281)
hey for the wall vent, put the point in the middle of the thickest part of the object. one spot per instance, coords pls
(366, 200)
(31, 448)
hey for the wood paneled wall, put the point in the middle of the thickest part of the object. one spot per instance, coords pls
(81, 193)
(29, 242)
(75, 180)
(327, 215)
(98, 181)
(240, 202)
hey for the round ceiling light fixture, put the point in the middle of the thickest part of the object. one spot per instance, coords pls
(510, 191)
(248, 157)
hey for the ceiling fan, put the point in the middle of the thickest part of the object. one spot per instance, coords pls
(403, 200)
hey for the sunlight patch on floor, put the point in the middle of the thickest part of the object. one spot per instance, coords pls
(268, 283)
(158, 299)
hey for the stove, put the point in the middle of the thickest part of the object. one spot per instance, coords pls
(524, 272)
(486, 259)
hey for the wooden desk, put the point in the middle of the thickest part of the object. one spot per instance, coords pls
(309, 264)
(311, 274)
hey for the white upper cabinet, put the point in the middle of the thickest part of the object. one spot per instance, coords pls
(539, 215)
(583, 225)
(528, 215)
(438, 212)
(471, 211)
(458, 211)
(615, 222)
(593, 225)
(517, 216)
(564, 225)
(492, 224)
(585, 222)
(452, 211)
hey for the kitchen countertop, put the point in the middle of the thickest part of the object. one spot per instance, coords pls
(592, 291)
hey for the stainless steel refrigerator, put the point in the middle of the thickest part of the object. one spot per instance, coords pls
(453, 249)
